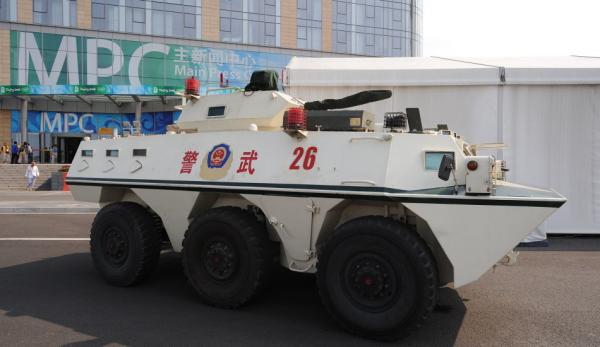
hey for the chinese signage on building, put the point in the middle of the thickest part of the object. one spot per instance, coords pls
(52, 59)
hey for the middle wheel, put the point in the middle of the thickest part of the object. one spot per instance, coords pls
(227, 256)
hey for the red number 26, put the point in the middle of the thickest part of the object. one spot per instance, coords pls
(309, 158)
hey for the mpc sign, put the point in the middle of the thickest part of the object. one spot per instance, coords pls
(88, 123)
(53, 59)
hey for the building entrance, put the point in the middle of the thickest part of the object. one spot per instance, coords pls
(66, 146)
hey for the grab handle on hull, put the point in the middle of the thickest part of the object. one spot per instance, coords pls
(109, 165)
(357, 182)
(383, 138)
(84, 165)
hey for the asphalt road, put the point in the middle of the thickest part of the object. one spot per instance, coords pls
(51, 295)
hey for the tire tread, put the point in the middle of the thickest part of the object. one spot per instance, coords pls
(255, 236)
(146, 225)
(408, 237)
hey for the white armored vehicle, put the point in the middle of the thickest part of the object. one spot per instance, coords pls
(383, 214)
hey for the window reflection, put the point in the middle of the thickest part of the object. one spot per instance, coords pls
(308, 33)
(53, 12)
(8, 10)
(178, 18)
(376, 27)
(250, 21)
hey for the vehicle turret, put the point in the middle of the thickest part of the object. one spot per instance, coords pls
(236, 111)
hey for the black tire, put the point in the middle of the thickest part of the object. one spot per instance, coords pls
(228, 257)
(377, 278)
(125, 243)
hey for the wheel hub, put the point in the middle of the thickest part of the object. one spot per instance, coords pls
(370, 281)
(115, 246)
(219, 259)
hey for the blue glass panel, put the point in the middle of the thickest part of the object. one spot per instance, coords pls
(433, 159)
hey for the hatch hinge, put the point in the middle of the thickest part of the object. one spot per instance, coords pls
(314, 209)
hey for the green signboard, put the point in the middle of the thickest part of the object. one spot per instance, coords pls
(14, 90)
(90, 89)
(91, 63)
(100, 89)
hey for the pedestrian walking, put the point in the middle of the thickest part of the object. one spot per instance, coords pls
(32, 174)
(4, 153)
(22, 153)
(14, 150)
(54, 154)
(29, 151)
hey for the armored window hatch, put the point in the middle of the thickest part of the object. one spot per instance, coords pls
(139, 152)
(112, 153)
(87, 152)
(216, 112)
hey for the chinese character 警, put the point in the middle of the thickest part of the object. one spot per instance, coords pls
(188, 161)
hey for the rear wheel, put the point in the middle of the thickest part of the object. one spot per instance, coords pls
(125, 243)
(228, 257)
(377, 278)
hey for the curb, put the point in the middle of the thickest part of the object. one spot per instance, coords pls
(48, 210)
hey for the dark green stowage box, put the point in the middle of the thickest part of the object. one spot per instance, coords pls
(263, 80)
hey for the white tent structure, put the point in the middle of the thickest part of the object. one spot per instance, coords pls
(547, 110)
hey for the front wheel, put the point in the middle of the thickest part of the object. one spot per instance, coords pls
(377, 278)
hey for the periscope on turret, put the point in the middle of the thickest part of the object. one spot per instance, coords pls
(382, 211)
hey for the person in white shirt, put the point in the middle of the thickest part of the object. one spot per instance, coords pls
(32, 174)
(29, 152)
(54, 155)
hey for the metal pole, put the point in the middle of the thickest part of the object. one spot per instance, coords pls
(24, 120)
(138, 111)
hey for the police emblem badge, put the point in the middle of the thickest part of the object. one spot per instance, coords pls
(216, 162)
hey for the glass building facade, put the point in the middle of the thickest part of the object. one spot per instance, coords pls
(377, 27)
(175, 18)
(55, 12)
(8, 10)
(254, 22)
(357, 27)
(309, 24)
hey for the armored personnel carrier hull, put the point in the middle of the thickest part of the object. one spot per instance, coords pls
(360, 205)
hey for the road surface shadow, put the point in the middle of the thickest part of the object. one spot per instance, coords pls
(164, 310)
(568, 243)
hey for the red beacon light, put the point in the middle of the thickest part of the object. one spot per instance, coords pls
(192, 86)
(472, 165)
(295, 119)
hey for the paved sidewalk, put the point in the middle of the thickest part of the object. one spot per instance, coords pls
(42, 202)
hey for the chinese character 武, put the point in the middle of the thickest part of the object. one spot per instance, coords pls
(246, 162)
(188, 161)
